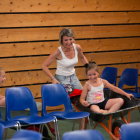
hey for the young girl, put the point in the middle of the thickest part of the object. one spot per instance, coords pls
(2, 79)
(93, 96)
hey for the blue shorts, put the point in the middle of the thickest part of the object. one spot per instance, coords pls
(72, 80)
(101, 104)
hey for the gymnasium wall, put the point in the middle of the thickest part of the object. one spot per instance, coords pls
(107, 30)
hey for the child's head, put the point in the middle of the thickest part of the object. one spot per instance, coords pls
(2, 76)
(92, 69)
(91, 65)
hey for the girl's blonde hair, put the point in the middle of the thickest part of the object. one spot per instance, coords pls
(92, 65)
(1, 70)
(65, 32)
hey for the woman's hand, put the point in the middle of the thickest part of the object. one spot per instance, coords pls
(54, 81)
(85, 103)
(129, 96)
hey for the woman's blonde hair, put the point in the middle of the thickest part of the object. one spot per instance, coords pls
(65, 32)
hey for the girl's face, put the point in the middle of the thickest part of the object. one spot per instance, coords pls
(2, 77)
(92, 75)
(67, 41)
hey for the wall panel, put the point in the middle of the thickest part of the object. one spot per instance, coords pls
(107, 30)
(81, 32)
(67, 6)
(55, 19)
(45, 48)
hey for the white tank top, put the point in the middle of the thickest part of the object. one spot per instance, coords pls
(96, 94)
(66, 66)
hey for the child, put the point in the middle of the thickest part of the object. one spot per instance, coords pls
(92, 95)
(2, 79)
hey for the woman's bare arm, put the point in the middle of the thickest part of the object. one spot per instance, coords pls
(81, 55)
(53, 56)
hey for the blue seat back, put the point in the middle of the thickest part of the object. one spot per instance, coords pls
(1, 131)
(130, 131)
(19, 98)
(0, 117)
(54, 95)
(109, 74)
(27, 134)
(83, 135)
(129, 77)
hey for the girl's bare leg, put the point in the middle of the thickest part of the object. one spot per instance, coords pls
(51, 124)
(95, 108)
(114, 104)
(81, 124)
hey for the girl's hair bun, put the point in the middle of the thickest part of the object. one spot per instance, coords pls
(92, 62)
(86, 65)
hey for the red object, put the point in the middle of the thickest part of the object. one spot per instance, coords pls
(76, 92)
(32, 128)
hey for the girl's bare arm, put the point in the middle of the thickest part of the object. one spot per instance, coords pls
(83, 95)
(116, 89)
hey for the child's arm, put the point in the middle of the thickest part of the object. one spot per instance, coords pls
(116, 89)
(83, 96)
(2, 100)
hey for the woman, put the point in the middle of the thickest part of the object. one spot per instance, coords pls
(66, 57)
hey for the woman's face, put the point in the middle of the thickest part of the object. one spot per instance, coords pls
(2, 77)
(67, 41)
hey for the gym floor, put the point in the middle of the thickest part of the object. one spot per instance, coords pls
(66, 125)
